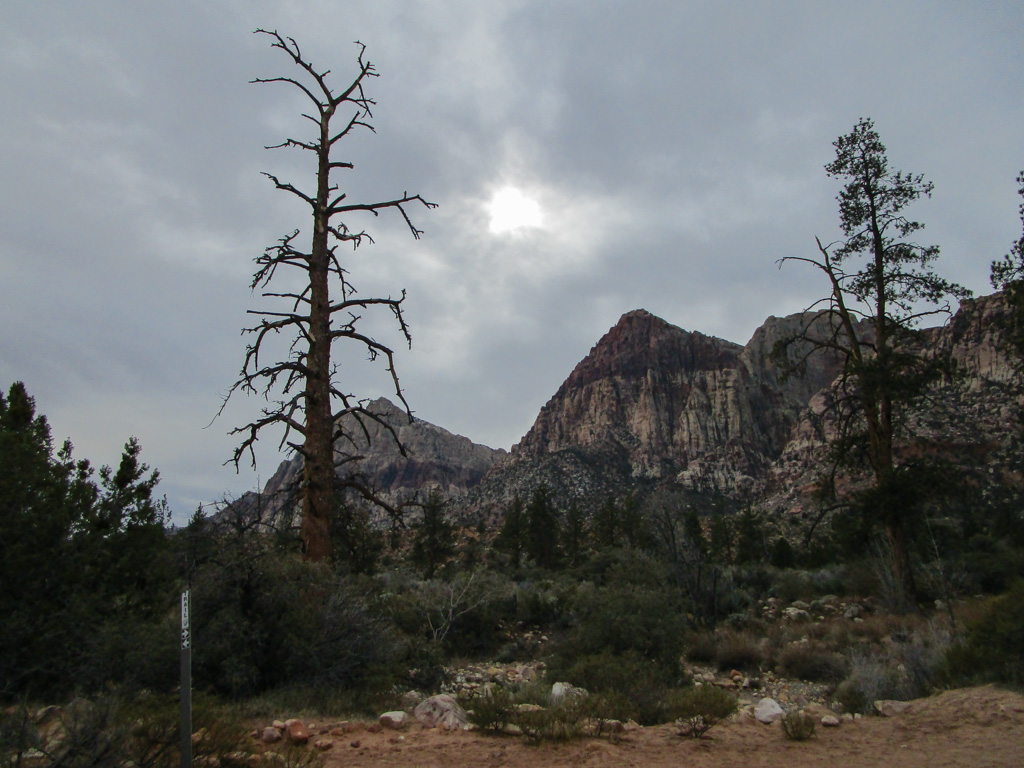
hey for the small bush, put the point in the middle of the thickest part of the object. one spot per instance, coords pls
(639, 680)
(702, 647)
(600, 708)
(491, 712)
(870, 679)
(560, 723)
(798, 726)
(994, 648)
(739, 650)
(809, 661)
(699, 708)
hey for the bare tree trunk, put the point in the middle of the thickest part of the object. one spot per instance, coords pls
(903, 572)
(306, 377)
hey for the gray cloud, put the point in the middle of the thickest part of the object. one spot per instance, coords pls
(676, 151)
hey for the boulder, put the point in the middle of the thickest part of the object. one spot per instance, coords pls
(768, 711)
(565, 692)
(441, 711)
(830, 721)
(890, 708)
(395, 720)
(295, 732)
(271, 735)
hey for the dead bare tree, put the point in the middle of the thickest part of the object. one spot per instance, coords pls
(303, 392)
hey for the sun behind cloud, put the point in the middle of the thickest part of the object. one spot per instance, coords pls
(511, 209)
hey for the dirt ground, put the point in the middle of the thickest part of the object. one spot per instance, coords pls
(973, 727)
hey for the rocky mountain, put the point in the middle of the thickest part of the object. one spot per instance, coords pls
(970, 420)
(653, 405)
(435, 459)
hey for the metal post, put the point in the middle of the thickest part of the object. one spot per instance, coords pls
(186, 682)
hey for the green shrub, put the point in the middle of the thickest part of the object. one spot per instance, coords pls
(699, 708)
(115, 729)
(798, 726)
(559, 723)
(871, 678)
(641, 681)
(739, 650)
(600, 708)
(809, 661)
(492, 711)
(993, 650)
(702, 647)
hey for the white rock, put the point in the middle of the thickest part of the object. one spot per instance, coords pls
(768, 711)
(441, 711)
(395, 720)
(564, 692)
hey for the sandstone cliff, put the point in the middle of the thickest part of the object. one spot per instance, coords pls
(654, 405)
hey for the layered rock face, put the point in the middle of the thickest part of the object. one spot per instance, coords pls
(435, 459)
(667, 404)
(653, 404)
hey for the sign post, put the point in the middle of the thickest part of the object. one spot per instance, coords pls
(186, 682)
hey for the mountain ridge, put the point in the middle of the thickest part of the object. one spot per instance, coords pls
(653, 405)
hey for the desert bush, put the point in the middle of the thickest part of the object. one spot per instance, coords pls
(993, 650)
(702, 647)
(810, 661)
(532, 693)
(491, 711)
(739, 650)
(699, 708)
(871, 678)
(627, 617)
(600, 708)
(563, 722)
(641, 681)
(19, 733)
(798, 726)
(922, 658)
(793, 585)
(115, 730)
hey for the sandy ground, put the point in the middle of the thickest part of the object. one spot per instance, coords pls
(974, 727)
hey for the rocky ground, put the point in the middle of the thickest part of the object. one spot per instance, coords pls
(970, 727)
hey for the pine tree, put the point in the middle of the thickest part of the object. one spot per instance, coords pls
(881, 285)
(434, 537)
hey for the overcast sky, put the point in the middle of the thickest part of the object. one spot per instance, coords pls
(668, 154)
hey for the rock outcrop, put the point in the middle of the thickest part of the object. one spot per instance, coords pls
(654, 405)
(434, 459)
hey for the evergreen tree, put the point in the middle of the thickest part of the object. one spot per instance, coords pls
(607, 526)
(574, 533)
(721, 548)
(434, 538)
(1008, 275)
(542, 534)
(92, 563)
(881, 284)
(511, 538)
